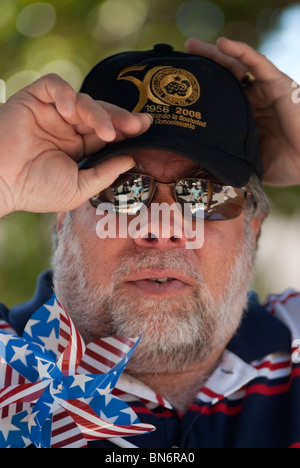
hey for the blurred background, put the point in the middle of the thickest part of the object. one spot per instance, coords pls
(68, 37)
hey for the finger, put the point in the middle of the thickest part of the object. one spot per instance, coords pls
(109, 122)
(53, 89)
(98, 178)
(91, 114)
(75, 108)
(127, 123)
(261, 68)
(210, 51)
(91, 140)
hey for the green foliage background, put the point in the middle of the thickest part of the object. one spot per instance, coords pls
(84, 32)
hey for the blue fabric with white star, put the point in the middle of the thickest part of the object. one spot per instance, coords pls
(28, 357)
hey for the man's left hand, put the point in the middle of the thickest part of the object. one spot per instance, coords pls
(270, 94)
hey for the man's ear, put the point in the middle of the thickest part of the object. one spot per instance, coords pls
(256, 224)
(60, 220)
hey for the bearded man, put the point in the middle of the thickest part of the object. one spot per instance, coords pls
(214, 367)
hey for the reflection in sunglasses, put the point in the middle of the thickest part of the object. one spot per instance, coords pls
(206, 198)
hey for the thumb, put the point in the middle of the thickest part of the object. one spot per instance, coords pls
(94, 180)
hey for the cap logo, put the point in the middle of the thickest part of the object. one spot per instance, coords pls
(176, 87)
(166, 86)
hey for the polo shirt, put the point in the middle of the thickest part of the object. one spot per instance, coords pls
(252, 400)
(197, 192)
(137, 190)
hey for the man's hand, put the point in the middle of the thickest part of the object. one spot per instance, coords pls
(270, 95)
(45, 129)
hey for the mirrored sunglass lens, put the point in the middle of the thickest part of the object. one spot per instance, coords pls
(127, 193)
(191, 193)
(210, 200)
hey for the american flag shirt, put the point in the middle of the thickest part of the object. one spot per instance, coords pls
(252, 400)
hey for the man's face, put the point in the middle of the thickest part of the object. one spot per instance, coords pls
(107, 284)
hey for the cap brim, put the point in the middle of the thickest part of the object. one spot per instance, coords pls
(226, 167)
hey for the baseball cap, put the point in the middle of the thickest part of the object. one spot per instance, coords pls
(199, 109)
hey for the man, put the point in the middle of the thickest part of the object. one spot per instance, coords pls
(136, 190)
(196, 193)
(214, 367)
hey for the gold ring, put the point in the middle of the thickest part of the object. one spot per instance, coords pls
(248, 79)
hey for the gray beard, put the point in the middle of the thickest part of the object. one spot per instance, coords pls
(178, 332)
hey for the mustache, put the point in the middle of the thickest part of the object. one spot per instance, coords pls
(133, 263)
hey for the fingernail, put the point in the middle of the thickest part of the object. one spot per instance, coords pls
(221, 38)
(150, 117)
(70, 107)
(127, 164)
(110, 124)
(133, 164)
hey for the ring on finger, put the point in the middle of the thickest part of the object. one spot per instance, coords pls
(248, 79)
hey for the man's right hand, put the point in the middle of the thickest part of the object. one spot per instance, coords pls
(45, 130)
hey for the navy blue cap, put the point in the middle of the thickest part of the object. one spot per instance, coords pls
(200, 110)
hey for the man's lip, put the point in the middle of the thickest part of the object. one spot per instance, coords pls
(157, 274)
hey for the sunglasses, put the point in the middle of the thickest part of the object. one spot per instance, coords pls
(208, 199)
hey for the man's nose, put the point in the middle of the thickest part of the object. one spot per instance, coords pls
(161, 225)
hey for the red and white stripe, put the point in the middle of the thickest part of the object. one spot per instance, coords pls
(274, 366)
(4, 326)
(102, 355)
(65, 432)
(25, 393)
(95, 428)
(75, 348)
(11, 392)
(286, 307)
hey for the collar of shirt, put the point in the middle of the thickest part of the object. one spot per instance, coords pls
(231, 375)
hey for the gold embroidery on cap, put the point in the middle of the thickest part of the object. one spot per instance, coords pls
(143, 86)
(167, 86)
(176, 87)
